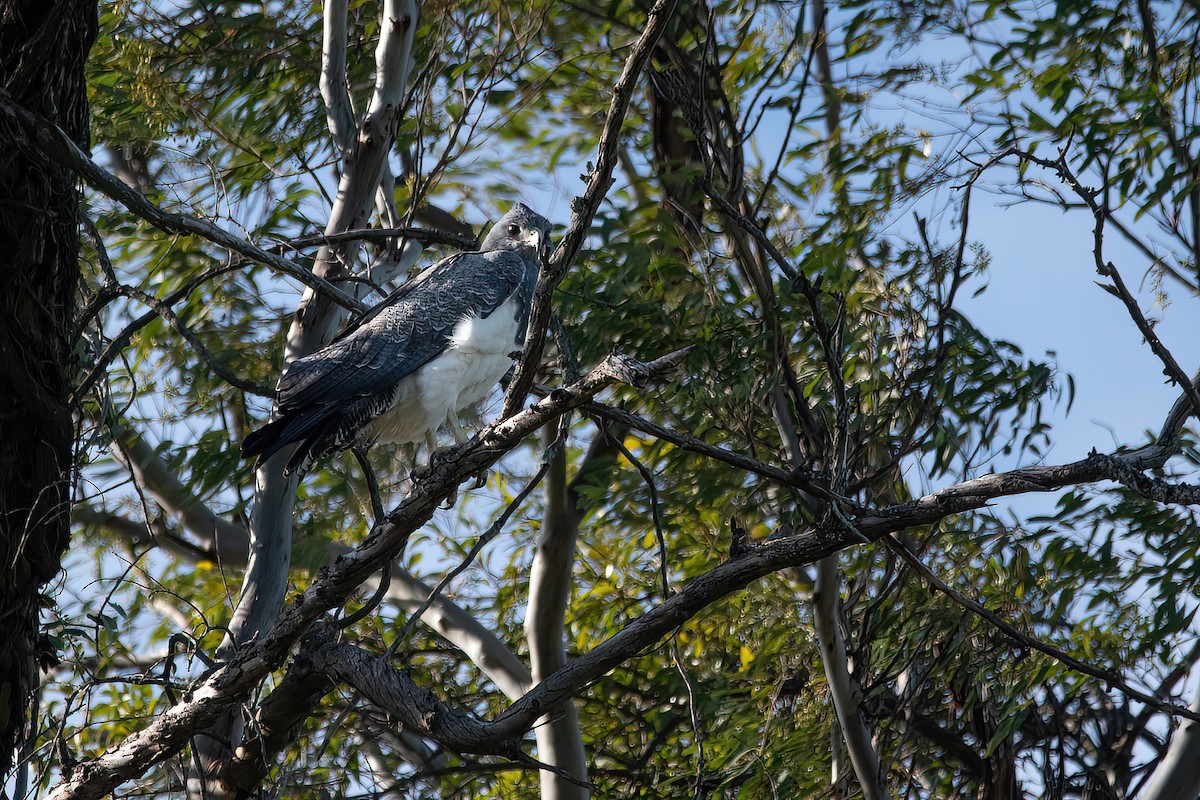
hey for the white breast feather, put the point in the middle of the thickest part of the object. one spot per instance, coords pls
(455, 381)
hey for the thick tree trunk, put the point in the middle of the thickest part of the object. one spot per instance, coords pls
(43, 45)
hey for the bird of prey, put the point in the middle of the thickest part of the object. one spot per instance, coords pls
(430, 351)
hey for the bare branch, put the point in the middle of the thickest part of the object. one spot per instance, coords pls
(583, 209)
(339, 113)
(276, 723)
(396, 692)
(54, 144)
(250, 663)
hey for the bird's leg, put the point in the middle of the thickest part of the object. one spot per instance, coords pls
(456, 428)
(419, 470)
(461, 436)
(418, 473)
(360, 453)
(406, 458)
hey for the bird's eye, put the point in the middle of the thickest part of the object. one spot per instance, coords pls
(514, 229)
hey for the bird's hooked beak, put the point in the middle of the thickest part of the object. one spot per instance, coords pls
(537, 240)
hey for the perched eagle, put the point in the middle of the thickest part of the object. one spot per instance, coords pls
(431, 350)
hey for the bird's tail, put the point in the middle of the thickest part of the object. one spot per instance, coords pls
(308, 430)
(275, 436)
(267, 440)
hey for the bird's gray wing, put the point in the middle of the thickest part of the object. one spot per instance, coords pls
(400, 292)
(406, 331)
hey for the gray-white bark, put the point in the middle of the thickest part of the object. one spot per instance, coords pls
(559, 741)
(844, 689)
(1177, 776)
(339, 110)
(316, 320)
(494, 658)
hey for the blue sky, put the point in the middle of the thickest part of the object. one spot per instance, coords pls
(1042, 295)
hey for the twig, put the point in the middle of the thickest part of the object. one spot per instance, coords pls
(793, 479)
(385, 581)
(164, 310)
(1107, 269)
(1025, 640)
(54, 144)
(491, 533)
(648, 479)
(583, 208)
(368, 472)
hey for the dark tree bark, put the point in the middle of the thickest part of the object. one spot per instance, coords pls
(43, 45)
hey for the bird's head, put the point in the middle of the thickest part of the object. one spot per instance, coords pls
(523, 230)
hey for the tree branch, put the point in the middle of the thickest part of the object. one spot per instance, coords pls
(397, 693)
(583, 208)
(228, 544)
(339, 115)
(54, 144)
(265, 581)
(249, 664)
(1107, 269)
(423, 235)
(232, 681)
